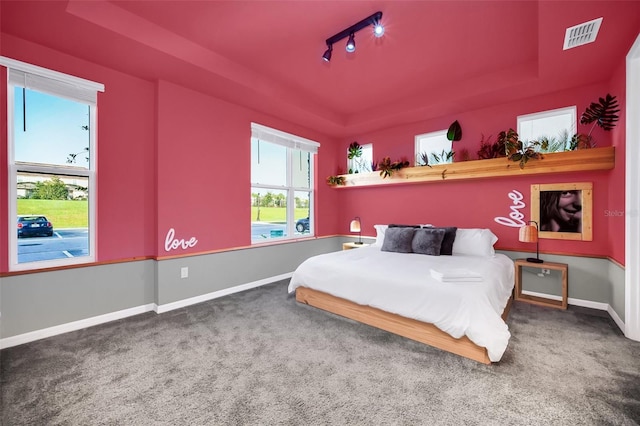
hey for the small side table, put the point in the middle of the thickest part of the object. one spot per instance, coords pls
(349, 246)
(542, 301)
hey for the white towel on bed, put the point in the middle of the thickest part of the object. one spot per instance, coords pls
(456, 275)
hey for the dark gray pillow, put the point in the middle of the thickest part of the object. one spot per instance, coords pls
(428, 241)
(447, 242)
(395, 225)
(398, 240)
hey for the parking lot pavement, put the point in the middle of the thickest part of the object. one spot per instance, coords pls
(64, 243)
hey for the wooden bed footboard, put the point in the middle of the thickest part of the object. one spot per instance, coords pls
(412, 329)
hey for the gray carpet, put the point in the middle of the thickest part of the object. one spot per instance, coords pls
(258, 357)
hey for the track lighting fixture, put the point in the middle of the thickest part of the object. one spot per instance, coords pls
(373, 20)
(327, 53)
(351, 44)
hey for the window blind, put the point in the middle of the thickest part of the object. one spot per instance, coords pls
(52, 82)
(278, 137)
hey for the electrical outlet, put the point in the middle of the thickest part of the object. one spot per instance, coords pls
(184, 272)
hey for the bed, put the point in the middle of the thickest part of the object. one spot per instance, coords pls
(463, 312)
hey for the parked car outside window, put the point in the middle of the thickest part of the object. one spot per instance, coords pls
(31, 225)
(302, 225)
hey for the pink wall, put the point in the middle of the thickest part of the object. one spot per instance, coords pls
(204, 170)
(477, 203)
(195, 179)
(170, 157)
(126, 152)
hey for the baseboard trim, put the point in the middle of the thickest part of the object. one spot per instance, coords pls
(113, 316)
(616, 318)
(73, 326)
(216, 294)
(583, 303)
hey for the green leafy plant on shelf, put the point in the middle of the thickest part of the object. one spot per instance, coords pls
(518, 151)
(335, 180)
(603, 114)
(490, 149)
(387, 167)
(443, 157)
(422, 159)
(354, 153)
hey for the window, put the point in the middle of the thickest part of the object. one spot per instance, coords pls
(282, 185)
(557, 126)
(52, 164)
(433, 148)
(362, 163)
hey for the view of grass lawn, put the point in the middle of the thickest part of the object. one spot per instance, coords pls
(275, 214)
(61, 213)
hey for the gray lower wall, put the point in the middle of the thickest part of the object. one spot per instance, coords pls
(590, 279)
(218, 271)
(40, 300)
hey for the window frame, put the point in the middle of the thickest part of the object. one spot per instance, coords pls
(63, 86)
(551, 113)
(418, 138)
(293, 144)
(352, 164)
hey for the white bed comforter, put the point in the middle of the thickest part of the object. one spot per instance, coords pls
(401, 283)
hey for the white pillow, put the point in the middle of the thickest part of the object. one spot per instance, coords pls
(380, 230)
(474, 241)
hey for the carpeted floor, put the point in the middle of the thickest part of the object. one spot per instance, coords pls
(258, 357)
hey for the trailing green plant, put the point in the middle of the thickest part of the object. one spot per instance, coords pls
(517, 151)
(454, 133)
(387, 168)
(335, 180)
(443, 157)
(490, 150)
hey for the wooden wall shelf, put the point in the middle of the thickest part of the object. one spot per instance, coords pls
(557, 162)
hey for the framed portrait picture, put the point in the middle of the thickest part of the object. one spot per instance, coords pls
(563, 210)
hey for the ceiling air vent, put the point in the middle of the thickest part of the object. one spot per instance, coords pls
(581, 34)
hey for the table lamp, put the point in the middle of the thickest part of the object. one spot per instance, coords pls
(355, 227)
(529, 234)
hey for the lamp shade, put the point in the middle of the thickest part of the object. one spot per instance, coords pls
(355, 225)
(528, 234)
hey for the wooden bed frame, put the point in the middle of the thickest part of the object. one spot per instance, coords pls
(406, 327)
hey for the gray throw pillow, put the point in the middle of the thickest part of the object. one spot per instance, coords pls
(428, 241)
(449, 238)
(398, 240)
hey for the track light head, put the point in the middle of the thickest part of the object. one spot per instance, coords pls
(378, 29)
(351, 44)
(327, 54)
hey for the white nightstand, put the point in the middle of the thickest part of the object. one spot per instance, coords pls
(349, 246)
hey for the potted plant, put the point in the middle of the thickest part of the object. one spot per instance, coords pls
(516, 150)
(387, 167)
(335, 180)
(490, 150)
(603, 114)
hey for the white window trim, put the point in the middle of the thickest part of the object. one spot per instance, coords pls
(13, 167)
(417, 139)
(292, 142)
(548, 114)
(352, 163)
